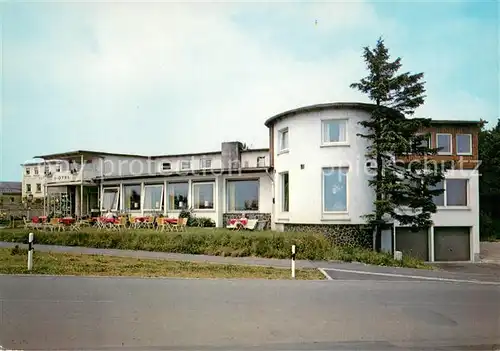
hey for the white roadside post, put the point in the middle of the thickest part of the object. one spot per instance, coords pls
(293, 261)
(30, 252)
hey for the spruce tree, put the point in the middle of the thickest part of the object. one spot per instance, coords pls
(404, 190)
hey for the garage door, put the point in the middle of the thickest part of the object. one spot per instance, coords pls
(451, 243)
(412, 243)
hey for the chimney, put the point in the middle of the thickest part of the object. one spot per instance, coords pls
(231, 154)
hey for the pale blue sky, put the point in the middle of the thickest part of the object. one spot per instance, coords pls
(162, 78)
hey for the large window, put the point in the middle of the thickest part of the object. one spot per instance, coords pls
(242, 195)
(178, 196)
(335, 189)
(283, 140)
(464, 144)
(455, 193)
(203, 196)
(443, 143)
(109, 200)
(334, 131)
(153, 197)
(132, 197)
(285, 192)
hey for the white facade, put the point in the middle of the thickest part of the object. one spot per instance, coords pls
(305, 146)
(305, 160)
(314, 173)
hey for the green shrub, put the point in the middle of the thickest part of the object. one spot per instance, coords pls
(214, 242)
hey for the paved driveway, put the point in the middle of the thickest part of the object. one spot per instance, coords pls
(490, 252)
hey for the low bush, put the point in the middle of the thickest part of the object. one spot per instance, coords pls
(222, 242)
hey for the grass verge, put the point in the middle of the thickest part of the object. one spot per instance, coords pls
(13, 261)
(216, 242)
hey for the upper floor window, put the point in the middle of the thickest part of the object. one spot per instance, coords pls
(261, 161)
(185, 164)
(28, 171)
(166, 166)
(205, 163)
(58, 168)
(283, 140)
(335, 189)
(334, 131)
(28, 188)
(35, 170)
(443, 143)
(455, 193)
(464, 144)
(39, 188)
(47, 169)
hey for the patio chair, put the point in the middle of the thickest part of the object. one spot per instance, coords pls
(55, 224)
(180, 226)
(251, 224)
(121, 224)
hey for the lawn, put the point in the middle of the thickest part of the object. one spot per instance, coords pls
(13, 261)
(216, 242)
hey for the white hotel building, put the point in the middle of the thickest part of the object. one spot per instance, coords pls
(313, 177)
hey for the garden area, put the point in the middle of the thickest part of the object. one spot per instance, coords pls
(215, 242)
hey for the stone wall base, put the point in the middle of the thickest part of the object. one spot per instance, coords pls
(350, 235)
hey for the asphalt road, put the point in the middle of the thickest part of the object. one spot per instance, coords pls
(177, 314)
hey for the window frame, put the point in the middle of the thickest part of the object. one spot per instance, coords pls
(282, 192)
(167, 202)
(263, 158)
(117, 201)
(163, 164)
(36, 190)
(205, 159)
(227, 195)
(470, 144)
(35, 171)
(28, 171)
(183, 162)
(193, 202)
(28, 188)
(323, 209)
(324, 122)
(143, 197)
(445, 194)
(124, 197)
(450, 144)
(281, 133)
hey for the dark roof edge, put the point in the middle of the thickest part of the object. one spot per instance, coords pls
(204, 172)
(353, 105)
(457, 121)
(85, 152)
(331, 105)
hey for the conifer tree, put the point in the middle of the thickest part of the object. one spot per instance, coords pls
(404, 188)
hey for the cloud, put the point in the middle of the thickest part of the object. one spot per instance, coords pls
(178, 77)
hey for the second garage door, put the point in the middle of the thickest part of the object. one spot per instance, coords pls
(451, 243)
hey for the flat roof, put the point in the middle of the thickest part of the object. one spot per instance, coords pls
(456, 122)
(205, 172)
(72, 154)
(75, 154)
(326, 106)
(357, 106)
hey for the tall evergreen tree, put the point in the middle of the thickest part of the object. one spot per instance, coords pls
(404, 191)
